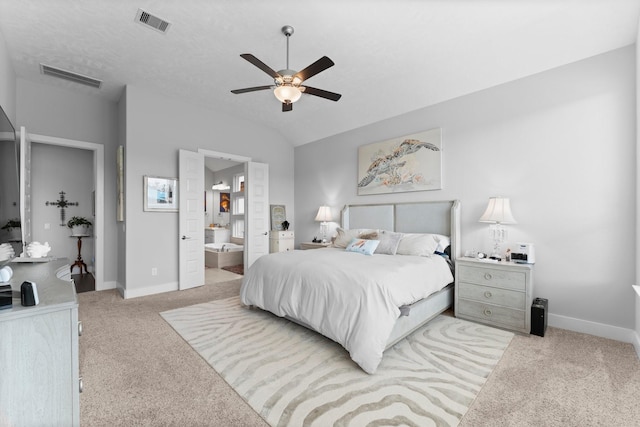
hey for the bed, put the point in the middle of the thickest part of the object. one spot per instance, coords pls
(366, 303)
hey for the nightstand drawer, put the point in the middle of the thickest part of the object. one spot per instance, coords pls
(487, 313)
(491, 295)
(493, 277)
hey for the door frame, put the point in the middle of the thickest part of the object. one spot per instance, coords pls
(98, 180)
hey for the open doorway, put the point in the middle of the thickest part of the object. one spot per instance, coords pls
(96, 160)
(224, 219)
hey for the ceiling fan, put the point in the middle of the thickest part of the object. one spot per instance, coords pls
(287, 85)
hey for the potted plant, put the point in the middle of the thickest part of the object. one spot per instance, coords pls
(79, 225)
(14, 228)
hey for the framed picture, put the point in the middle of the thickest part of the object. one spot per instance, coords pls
(407, 163)
(225, 202)
(160, 194)
(278, 216)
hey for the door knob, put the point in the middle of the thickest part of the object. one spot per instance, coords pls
(185, 237)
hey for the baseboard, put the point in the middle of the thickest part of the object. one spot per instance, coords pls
(636, 343)
(593, 328)
(148, 290)
(107, 285)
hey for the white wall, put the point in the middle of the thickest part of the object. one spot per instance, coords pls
(560, 144)
(52, 111)
(156, 128)
(7, 83)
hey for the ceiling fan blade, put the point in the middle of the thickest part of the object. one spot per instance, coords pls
(321, 93)
(250, 89)
(313, 69)
(287, 107)
(264, 67)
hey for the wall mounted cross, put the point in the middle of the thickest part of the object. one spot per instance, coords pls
(62, 204)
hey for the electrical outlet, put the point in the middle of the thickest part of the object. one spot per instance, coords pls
(154, 271)
(47, 226)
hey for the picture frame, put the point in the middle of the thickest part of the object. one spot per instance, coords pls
(160, 194)
(278, 216)
(407, 163)
(225, 202)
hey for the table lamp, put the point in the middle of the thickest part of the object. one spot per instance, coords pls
(324, 215)
(498, 212)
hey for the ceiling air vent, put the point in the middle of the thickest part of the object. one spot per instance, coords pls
(48, 70)
(152, 21)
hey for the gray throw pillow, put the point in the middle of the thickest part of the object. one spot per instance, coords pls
(389, 242)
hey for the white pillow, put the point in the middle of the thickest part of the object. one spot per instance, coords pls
(344, 237)
(389, 242)
(443, 242)
(362, 246)
(419, 244)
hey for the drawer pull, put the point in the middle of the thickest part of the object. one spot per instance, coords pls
(487, 294)
(488, 276)
(80, 385)
(487, 312)
(79, 329)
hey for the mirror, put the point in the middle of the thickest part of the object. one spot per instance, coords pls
(10, 188)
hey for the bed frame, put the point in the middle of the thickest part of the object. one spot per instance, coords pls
(440, 217)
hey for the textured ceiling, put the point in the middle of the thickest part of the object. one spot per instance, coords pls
(392, 56)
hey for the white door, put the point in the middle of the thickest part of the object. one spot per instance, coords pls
(191, 228)
(256, 236)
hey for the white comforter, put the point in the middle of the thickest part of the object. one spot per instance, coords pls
(348, 297)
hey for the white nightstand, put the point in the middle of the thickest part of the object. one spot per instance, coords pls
(314, 245)
(495, 293)
(281, 241)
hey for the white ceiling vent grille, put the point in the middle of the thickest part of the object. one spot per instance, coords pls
(152, 21)
(48, 70)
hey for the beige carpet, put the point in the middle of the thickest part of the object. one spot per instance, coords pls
(138, 372)
(293, 376)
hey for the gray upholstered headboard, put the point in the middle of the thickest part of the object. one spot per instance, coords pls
(441, 217)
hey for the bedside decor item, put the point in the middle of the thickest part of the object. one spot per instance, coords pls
(285, 225)
(498, 212)
(407, 163)
(324, 216)
(278, 216)
(160, 194)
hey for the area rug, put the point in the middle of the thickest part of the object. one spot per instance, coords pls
(295, 377)
(238, 269)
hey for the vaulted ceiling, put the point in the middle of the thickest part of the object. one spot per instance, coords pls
(391, 56)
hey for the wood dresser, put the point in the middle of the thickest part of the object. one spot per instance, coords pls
(39, 381)
(495, 293)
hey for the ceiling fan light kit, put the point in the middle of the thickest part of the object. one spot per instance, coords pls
(287, 86)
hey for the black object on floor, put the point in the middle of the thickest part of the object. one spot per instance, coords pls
(84, 282)
(539, 316)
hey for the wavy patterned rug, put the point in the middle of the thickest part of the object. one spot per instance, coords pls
(294, 377)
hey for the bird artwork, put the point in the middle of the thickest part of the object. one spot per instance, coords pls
(389, 168)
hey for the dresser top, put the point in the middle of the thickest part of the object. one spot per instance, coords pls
(53, 293)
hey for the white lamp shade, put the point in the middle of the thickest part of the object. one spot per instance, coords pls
(324, 214)
(498, 211)
(287, 93)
